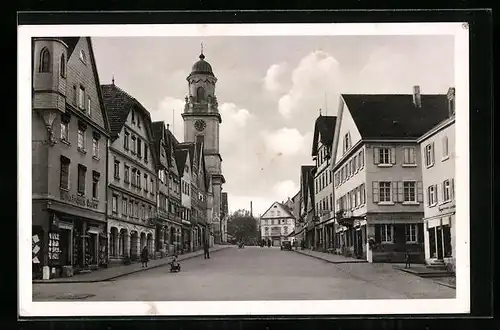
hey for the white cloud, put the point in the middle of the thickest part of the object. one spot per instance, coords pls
(169, 110)
(285, 189)
(234, 115)
(317, 75)
(285, 141)
(274, 80)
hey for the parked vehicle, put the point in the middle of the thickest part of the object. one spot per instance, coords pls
(175, 266)
(286, 245)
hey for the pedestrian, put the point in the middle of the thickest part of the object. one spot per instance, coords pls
(206, 249)
(407, 260)
(144, 256)
(268, 243)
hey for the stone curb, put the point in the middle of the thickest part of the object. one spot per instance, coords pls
(330, 261)
(446, 284)
(126, 273)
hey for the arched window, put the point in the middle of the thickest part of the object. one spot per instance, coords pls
(200, 94)
(63, 66)
(45, 60)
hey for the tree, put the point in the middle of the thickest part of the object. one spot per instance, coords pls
(242, 226)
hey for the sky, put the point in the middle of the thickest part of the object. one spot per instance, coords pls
(270, 90)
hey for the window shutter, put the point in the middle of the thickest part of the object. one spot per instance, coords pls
(420, 232)
(377, 233)
(394, 191)
(400, 192)
(452, 188)
(375, 194)
(393, 156)
(420, 194)
(376, 156)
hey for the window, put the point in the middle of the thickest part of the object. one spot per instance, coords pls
(384, 156)
(386, 233)
(134, 176)
(356, 164)
(44, 60)
(285, 229)
(139, 147)
(95, 147)
(117, 169)
(200, 94)
(124, 207)
(114, 205)
(138, 180)
(432, 195)
(143, 212)
(133, 116)
(64, 131)
(130, 208)
(152, 186)
(74, 95)
(358, 196)
(88, 105)
(347, 142)
(83, 57)
(385, 191)
(127, 174)
(361, 159)
(451, 104)
(446, 191)
(362, 195)
(125, 140)
(62, 66)
(411, 233)
(409, 156)
(429, 154)
(81, 98)
(445, 147)
(81, 139)
(145, 153)
(409, 189)
(133, 144)
(82, 171)
(64, 178)
(145, 182)
(95, 184)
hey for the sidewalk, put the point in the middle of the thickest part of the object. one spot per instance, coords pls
(330, 257)
(107, 274)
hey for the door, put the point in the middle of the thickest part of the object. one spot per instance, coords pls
(439, 239)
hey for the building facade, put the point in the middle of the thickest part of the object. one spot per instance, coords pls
(324, 129)
(69, 160)
(276, 224)
(438, 165)
(202, 122)
(132, 183)
(304, 233)
(378, 176)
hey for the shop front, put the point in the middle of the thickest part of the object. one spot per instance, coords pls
(67, 240)
(439, 240)
(185, 238)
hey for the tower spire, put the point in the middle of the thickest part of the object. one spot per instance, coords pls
(113, 80)
(201, 52)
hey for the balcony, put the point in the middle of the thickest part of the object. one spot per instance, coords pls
(346, 218)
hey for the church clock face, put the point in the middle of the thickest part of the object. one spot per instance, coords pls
(200, 125)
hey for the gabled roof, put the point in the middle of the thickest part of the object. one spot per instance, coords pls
(180, 158)
(158, 129)
(323, 131)
(171, 143)
(395, 116)
(71, 43)
(282, 206)
(287, 209)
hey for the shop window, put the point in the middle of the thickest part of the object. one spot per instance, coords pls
(432, 242)
(447, 241)
(95, 184)
(82, 172)
(64, 179)
(411, 233)
(44, 60)
(386, 233)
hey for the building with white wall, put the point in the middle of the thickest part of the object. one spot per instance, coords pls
(276, 224)
(438, 174)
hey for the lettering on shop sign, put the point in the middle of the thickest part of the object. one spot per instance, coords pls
(446, 208)
(79, 200)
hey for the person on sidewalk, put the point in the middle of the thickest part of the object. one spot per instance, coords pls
(144, 256)
(206, 249)
(407, 260)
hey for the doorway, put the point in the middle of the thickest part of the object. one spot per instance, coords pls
(65, 246)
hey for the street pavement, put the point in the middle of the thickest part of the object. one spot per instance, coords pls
(252, 273)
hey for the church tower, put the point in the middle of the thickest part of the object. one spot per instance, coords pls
(202, 122)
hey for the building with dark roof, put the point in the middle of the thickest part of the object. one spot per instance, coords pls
(321, 235)
(132, 183)
(437, 147)
(276, 224)
(70, 134)
(378, 173)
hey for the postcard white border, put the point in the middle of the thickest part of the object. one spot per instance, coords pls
(461, 304)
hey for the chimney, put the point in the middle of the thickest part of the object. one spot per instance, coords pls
(251, 209)
(417, 100)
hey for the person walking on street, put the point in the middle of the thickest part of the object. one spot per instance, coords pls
(269, 243)
(407, 260)
(206, 249)
(144, 256)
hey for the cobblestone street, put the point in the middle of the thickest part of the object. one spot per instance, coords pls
(252, 273)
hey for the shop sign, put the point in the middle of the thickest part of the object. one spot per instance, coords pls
(446, 207)
(79, 200)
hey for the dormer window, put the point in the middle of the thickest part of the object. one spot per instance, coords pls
(83, 57)
(44, 60)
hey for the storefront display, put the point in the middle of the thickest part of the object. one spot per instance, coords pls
(54, 249)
